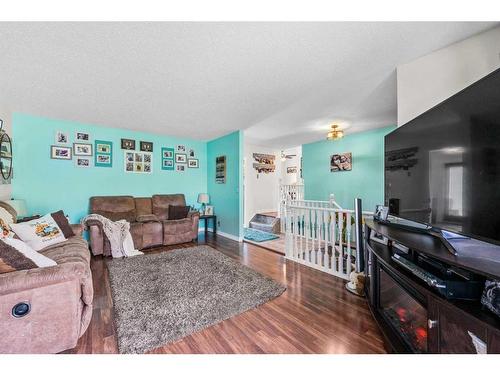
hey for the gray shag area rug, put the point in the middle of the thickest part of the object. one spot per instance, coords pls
(160, 298)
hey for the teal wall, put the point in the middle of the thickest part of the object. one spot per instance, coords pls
(49, 185)
(366, 180)
(227, 198)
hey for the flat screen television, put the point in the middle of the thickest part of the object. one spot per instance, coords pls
(443, 167)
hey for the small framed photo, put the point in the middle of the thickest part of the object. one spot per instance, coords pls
(167, 165)
(147, 167)
(104, 159)
(83, 162)
(59, 152)
(62, 137)
(191, 153)
(129, 157)
(192, 163)
(180, 158)
(146, 146)
(381, 212)
(167, 153)
(103, 148)
(82, 149)
(147, 158)
(129, 166)
(180, 167)
(128, 144)
(138, 158)
(138, 167)
(84, 137)
(377, 237)
(181, 148)
(209, 210)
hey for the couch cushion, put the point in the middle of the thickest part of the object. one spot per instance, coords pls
(143, 206)
(114, 207)
(73, 250)
(161, 203)
(63, 223)
(39, 233)
(147, 218)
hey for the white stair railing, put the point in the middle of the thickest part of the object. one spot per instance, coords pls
(321, 236)
(288, 193)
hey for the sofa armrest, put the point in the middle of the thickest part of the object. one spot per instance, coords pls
(18, 281)
(192, 214)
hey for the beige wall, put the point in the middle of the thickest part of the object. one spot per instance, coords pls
(427, 81)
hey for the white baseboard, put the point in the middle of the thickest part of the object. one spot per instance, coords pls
(223, 234)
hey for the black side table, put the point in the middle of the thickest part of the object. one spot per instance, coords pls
(214, 222)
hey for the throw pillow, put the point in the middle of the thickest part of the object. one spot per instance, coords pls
(5, 220)
(177, 212)
(63, 223)
(15, 255)
(39, 233)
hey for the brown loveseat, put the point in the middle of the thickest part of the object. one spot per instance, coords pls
(60, 299)
(149, 222)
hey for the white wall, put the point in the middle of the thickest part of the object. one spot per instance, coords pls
(6, 116)
(261, 190)
(429, 80)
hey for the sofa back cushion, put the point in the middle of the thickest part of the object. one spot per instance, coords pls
(177, 212)
(143, 206)
(114, 207)
(161, 203)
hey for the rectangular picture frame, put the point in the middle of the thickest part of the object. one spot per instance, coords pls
(82, 149)
(82, 137)
(103, 153)
(167, 153)
(193, 163)
(127, 144)
(181, 158)
(60, 153)
(83, 162)
(146, 146)
(62, 137)
(167, 164)
(137, 162)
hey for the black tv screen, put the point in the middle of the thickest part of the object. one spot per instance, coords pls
(443, 167)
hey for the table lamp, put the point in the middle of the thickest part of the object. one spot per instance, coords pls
(203, 198)
(19, 205)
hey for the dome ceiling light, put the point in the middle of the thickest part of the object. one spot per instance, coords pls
(335, 133)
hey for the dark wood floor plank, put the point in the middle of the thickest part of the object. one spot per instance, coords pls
(314, 315)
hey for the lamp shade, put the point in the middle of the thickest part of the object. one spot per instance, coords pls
(19, 205)
(203, 198)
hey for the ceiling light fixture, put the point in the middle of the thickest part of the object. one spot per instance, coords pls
(335, 133)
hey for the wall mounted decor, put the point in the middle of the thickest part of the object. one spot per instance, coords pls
(103, 154)
(146, 146)
(127, 144)
(180, 167)
(191, 153)
(291, 169)
(341, 162)
(80, 136)
(167, 164)
(180, 148)
(60, 152)
(180, 158)
(62, 137)
(5, 156)
(220, 170)
(138, 162)
(82, 149)
(167, 153)
(82, 162)
(167, 158)
(193, 163)
(264, 163)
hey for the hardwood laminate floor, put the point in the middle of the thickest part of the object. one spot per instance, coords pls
(314, 315)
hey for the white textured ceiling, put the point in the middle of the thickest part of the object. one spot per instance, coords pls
(283, 82)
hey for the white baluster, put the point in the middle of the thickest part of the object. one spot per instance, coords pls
(348, 239)
(341, 245)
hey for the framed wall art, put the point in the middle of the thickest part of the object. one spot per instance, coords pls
(341, 162)
(62, 138)
(127, 144)
(180, 158)
(220, 170)
(59, 152)
(82, 149)
(193, 163)
(167, 158)
(82, 137)
(82, 162)
(146, 146)
(138, 162)
(103, 154)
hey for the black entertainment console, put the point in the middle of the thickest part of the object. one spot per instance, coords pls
(425, 299)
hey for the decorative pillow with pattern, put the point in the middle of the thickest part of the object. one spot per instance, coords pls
(39, 233)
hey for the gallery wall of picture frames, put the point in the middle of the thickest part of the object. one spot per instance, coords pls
(178, 158)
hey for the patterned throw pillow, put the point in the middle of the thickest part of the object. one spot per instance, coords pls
(15, 255)
(39, 233)
(5, 220)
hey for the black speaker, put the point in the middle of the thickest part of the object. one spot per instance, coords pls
(21, 309)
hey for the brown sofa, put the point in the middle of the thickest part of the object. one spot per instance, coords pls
(60, 298)
(148, 218)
